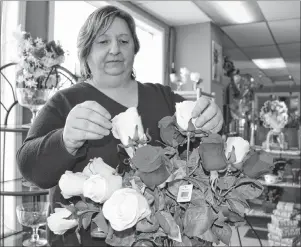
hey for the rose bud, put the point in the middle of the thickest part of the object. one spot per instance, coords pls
(211, 151)
(58, 222)
(151, 164)
(72, 184)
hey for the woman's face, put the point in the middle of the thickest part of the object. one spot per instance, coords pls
(112, 53)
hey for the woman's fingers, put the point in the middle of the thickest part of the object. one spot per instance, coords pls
(93, 117)
(94, 106)
(202, 103)
(86, 135)
(89, 126)
(207, 117)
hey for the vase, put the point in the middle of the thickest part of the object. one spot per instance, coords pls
(275, 140)
(33, 99)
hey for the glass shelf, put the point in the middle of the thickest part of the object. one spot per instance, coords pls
(13, 128)
(289, 154)
(281, 184)
(18, 187)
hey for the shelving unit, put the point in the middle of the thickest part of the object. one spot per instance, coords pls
(261, 210)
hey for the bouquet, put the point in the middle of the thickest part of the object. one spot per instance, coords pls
(187, 191)
(274, 114)
(36, 61)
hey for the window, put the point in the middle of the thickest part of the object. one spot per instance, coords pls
(10, 18)
(148, 65)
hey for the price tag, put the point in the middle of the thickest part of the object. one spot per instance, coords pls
(184, 194)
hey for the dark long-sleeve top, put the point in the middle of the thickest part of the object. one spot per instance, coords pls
(43, 158)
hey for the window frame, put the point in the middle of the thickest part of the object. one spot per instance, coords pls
(143, 19)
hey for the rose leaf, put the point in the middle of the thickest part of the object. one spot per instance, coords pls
(232, 157)
(197, 197)
(81, 206)
(197, 220)
(225, 183)
(70, 207)
(223, 233)
(85, 219)
(209, 236)
(237, 206)
(121, 238)
(101, 222)
(249, 188)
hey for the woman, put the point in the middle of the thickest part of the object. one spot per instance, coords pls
(74, 126)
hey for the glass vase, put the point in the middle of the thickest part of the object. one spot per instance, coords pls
(275, 140)
(33, 99)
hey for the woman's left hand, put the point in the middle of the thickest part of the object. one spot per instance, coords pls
(208, 115)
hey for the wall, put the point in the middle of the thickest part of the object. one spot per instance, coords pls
(217, 87)
(192, 50)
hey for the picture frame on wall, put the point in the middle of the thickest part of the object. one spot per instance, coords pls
(217, 62)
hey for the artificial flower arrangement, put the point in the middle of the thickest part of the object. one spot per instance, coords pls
(186, 192)
(274, 114)
(36, 61)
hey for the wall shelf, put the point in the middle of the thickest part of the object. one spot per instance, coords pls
(281, 184)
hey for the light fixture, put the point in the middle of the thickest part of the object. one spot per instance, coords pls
(234, 10)
(270, 63)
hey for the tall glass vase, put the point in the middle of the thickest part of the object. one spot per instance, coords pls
(33, 99)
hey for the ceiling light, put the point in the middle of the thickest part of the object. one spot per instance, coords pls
(235, 11)
(270, 63)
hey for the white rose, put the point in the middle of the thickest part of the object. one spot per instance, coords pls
(183, 113)
(242, 147)
(98, 166)
(99, 188)
(124, 126)
(58, 223)
(125, 208)
(195, 76)
(71, 184)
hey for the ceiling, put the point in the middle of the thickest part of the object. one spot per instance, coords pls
(272, 31)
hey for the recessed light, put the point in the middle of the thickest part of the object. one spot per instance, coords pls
(270, 63)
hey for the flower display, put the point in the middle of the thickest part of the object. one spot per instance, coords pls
(190, 190)
(36, 59)
(274, 114)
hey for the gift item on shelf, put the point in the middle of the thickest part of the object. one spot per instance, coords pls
(278, 241)
(284, 229)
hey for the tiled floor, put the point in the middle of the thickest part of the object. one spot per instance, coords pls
(244, 241)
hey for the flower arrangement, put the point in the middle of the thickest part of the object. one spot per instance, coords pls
(186, 192)
(274, 114)
(36, 61)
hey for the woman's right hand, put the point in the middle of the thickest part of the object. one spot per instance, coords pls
(86, 121)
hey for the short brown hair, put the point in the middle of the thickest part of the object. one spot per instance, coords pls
(100, 20)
